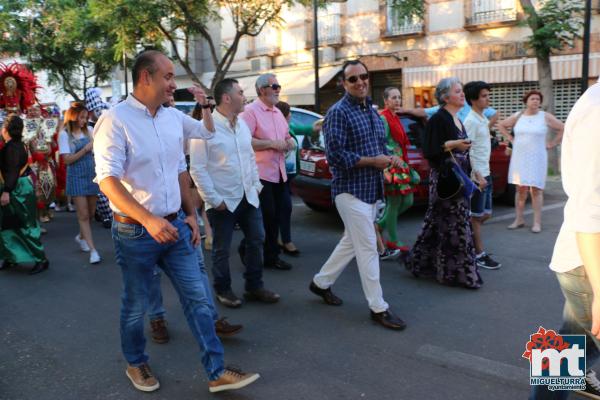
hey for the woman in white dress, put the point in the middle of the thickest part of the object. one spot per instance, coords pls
(529, 160)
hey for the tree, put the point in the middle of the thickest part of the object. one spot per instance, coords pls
(555, 24)
(58, 36)
(152, 23)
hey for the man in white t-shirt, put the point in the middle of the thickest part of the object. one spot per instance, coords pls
(477, 94)
(576, 258)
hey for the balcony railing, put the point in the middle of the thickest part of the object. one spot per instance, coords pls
(486, 12)
(397, 26)
(330, 30)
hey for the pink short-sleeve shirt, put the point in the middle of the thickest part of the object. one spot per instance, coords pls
(267, 123)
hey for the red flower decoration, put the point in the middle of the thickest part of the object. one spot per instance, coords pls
(545, 339)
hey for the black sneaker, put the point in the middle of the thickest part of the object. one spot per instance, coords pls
(592, 386)
(485, 261)
(389, 254)
(229, 299)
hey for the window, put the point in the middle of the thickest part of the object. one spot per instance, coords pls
(396, 26)
(491, 11)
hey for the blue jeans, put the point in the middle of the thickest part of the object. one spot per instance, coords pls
(577, 320)
(156, 310)
(222, 222)
(137, 253)
(481, 202)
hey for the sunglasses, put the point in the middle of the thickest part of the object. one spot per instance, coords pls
(274, 86)
(354, 78)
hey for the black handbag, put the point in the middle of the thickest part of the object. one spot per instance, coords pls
(453, 181)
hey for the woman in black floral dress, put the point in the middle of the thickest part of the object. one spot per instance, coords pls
(444, 248)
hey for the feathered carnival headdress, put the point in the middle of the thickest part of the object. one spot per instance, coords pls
(18, 87)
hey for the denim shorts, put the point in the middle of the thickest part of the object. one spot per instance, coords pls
(481, 202)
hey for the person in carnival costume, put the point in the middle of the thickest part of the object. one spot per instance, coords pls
(399, 181)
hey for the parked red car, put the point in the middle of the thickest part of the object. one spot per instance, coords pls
(313, 183)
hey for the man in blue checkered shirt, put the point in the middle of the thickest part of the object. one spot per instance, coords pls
(356, 152)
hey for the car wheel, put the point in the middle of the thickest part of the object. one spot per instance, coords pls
(317, 207)
(509, 195)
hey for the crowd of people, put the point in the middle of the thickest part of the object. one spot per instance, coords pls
(59, 164)
(155, 172)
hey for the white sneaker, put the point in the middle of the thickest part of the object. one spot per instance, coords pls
(70, 207)
(82, 244)
(94, 257)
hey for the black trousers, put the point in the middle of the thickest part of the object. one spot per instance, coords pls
(271, 204)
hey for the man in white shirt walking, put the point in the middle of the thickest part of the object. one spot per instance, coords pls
(576, 257)
(224, 169)
(477, 94)
(141, 168)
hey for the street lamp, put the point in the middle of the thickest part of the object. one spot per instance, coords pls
(585, 66)
(316, 50)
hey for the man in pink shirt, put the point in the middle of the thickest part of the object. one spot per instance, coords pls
(270, 140)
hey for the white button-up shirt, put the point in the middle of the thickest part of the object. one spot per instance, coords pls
(224, 168)
(580, 164)
(478, 130)
(144, 152)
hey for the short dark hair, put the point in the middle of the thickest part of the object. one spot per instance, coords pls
(530, 93)
(348, 63)
(473, 89)
(223, 87)
(14, 125)
(284, 108)
(146, 60)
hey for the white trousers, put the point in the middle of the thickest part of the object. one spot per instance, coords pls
(359, 241)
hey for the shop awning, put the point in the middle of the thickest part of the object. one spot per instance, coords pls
(516, 70)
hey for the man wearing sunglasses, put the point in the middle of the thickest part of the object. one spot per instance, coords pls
(355, 144)
(270, 141)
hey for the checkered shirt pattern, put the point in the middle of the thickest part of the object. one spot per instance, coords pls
(103, 207)
(353, 130)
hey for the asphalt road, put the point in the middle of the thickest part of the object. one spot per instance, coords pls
(59, 336)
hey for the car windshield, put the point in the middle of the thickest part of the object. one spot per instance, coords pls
(301, 118)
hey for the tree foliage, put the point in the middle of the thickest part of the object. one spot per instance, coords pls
(555, 24)
(60, 37)
(155, 23)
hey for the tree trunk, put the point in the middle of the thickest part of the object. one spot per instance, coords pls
(545, 78)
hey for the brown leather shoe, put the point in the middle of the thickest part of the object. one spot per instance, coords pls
(389, 320)
(142, 378)
(263, 295)
(225, 329)
(326, 294)
(160, 334)
(232, 378)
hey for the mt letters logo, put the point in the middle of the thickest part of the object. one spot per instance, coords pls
(556, 361)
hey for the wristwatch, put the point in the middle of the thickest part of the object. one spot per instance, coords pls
(207, 105)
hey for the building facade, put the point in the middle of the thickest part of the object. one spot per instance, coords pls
(470, 39)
